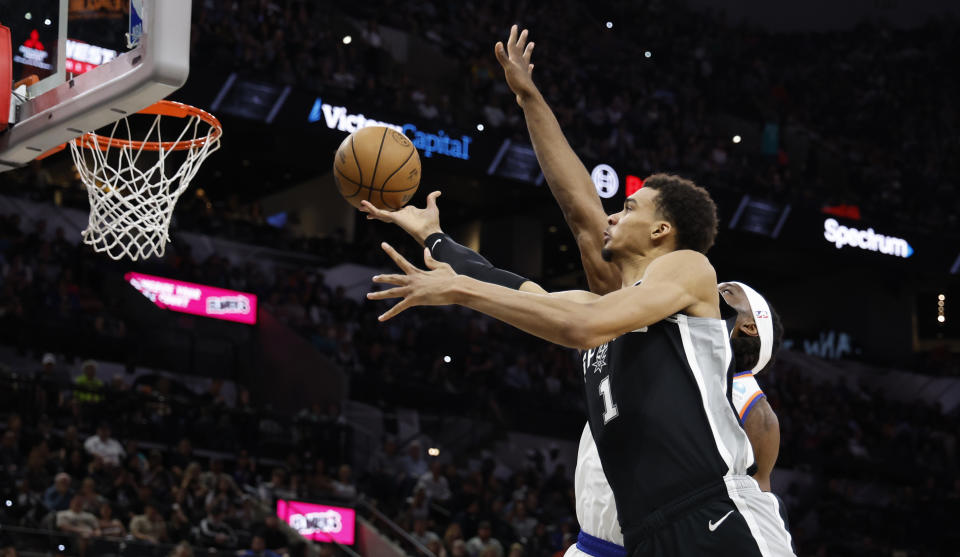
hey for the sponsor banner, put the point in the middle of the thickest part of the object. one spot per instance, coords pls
(83, 57)
(33, 52)
(321, 523)
(430, 143)
(196, 299)
(840, 236)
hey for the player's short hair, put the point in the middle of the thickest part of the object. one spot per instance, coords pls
(688, 207)
(746, 348)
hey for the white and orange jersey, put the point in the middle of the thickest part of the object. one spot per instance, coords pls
(745, 394)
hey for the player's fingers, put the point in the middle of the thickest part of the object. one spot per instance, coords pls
(398, 292)
(512, 40)
(501, 53)
(528, 52)
(530, 69)
(432, 199)
(522, 41)
(391, 279)
(368, 208)
(395, 310)
(401, 262)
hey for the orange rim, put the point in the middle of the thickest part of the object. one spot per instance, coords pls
(161, 108)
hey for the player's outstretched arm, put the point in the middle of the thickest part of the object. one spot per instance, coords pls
(682, 281)
(566, 175)
(424, 226)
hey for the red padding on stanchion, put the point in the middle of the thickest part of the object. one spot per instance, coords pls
(6, 76)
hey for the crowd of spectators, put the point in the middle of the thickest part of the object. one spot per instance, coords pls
(94, 460)
(855, 116)
(866, 465)
(862, 454)
(52, 285)
(863, 117)
(873, 463)
(60, 472)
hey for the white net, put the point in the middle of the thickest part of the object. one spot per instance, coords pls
(133, 184)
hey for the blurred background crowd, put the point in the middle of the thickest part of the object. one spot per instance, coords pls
(126, 463)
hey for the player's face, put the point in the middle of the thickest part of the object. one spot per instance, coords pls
(632, 230)
(737, 299)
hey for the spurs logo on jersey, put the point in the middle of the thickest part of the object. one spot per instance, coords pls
(595, 358)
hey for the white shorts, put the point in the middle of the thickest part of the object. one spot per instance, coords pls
(574, 551)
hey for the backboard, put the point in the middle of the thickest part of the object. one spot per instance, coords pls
(97, 61)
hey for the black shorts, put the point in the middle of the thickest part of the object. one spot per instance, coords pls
(726, 518)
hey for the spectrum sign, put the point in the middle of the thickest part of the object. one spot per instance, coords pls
(321, 523)
(197, 299)
(339, 118)
(841, 236)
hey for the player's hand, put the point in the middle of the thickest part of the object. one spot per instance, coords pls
(417, 287)
(418, 223)
(515, 60)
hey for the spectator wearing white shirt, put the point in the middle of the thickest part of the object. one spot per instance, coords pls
(78, 522)
(149, 526)
(434, 483)
(105, 447)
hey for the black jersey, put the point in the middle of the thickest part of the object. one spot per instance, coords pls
(660, 413)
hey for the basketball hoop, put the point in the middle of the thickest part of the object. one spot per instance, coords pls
(133, 184)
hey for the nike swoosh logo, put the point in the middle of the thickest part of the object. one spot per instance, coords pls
(713, 526)
(434, 246)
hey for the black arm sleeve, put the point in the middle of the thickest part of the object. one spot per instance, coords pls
(467, 262)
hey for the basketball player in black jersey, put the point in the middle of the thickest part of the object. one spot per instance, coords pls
(571, 185)
(655, 363)
(602, 529)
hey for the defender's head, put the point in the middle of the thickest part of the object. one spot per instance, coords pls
(748, 338)
(668, 213)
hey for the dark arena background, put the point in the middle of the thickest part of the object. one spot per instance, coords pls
(305, 427)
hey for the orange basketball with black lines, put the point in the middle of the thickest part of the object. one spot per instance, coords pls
(377, 164)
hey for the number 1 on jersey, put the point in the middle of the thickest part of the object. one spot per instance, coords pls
(609, 408)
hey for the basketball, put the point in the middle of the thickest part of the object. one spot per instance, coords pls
(379, 165)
